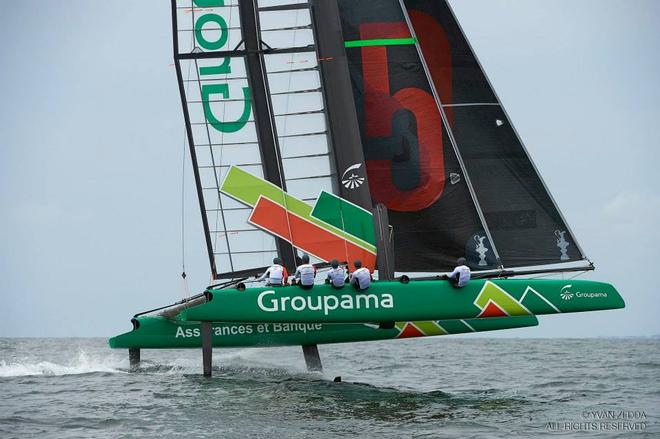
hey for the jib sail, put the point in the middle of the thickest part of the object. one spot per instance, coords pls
(524, 221)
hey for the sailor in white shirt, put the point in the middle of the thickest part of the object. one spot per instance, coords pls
(361, 277)
(276, 275)
(336, 275)
(461, 274)
(305, 274)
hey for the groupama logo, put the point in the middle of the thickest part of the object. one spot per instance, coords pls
(268, 301)
(351, 179)
(565, 293)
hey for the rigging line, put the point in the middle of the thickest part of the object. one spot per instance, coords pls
(184, 280)
(183, 182)
(474, 104)
(450, 132)
(277, 143)
(217, 183)
(577, 275)
(541, 276)
(183, 205)
(220, 211)
(384, 233)
(343, 227)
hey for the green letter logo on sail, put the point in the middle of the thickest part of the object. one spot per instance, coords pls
(217, 24)
(199, 32)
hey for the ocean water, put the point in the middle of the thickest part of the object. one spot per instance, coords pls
(426, 388)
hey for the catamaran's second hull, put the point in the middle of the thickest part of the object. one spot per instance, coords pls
(292, 316)
(156, 332)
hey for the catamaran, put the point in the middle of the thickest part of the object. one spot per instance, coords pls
(347, 130)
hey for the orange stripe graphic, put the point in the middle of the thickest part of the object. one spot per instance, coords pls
(307, 236)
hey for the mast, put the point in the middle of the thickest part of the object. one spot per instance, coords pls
(341, 115)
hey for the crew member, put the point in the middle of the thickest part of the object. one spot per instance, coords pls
(305, 274)
(361, 277)
(461, 274)
(276, 275)
(336, 275)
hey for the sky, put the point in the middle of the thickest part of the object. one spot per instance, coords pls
(92, 143)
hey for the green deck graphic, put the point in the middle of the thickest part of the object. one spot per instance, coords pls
(492, 294)
(456, 311)
(415, 301)
(162, 333)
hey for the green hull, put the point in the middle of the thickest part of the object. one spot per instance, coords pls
(423, 308)
(395, 301)
(163, 333)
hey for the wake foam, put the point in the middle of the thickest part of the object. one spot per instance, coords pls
(235, 359)
(288, 362)
(83, 364)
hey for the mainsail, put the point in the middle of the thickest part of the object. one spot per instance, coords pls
(255, 107)
(440, 151)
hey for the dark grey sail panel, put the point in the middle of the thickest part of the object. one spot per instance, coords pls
(525, 223)
(522, 219)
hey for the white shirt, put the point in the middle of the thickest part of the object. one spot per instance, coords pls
(463, 273)
(337, 276)
(362, 277)
(275, 275)
(305, 273)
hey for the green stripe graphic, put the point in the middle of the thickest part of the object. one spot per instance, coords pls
(346, 216)
(247, 188)
(380, 42)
